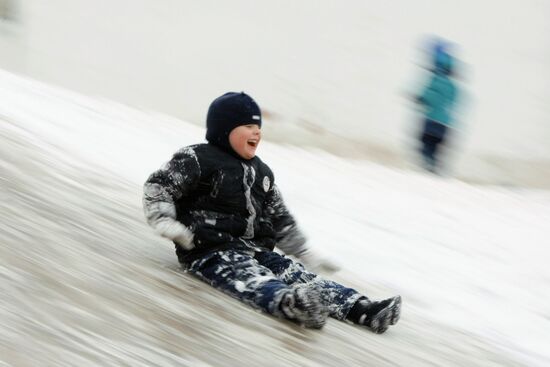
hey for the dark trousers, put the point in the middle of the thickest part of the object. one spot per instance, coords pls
(262, 279)
(432, 137)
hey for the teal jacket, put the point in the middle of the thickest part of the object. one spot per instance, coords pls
(439, 98)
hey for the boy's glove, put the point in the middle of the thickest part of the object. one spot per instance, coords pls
(176, 232)
(316, 262)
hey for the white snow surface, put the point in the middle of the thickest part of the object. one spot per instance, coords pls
(472, 257)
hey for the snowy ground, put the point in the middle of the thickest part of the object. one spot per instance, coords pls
(85, 282)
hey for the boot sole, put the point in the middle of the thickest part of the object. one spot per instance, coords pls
(396, 311)
(387, 316)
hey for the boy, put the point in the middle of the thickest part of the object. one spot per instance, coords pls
(219, 204)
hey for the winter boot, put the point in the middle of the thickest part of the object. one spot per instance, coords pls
(376, 315)
(303, 305)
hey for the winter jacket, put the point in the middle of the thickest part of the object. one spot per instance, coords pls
(226, 201)
(438, 99)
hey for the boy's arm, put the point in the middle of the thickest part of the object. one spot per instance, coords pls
(289, 238)
(161, 190)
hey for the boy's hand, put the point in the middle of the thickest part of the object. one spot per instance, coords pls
(317, 263)
(185, 239)
(176, 232)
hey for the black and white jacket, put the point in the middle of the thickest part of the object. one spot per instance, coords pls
(225, 201)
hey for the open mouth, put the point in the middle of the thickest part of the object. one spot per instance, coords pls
(253, 143)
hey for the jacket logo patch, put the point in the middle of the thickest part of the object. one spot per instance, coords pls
(266, 183)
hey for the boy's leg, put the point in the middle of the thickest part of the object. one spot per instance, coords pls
(343, 303)
(336, 297)
(239, 274)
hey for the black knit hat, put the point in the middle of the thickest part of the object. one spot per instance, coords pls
(228, 112)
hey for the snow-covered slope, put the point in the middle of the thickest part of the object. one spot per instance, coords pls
(470, 261)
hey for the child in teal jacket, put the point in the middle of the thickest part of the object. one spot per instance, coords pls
(437, 99)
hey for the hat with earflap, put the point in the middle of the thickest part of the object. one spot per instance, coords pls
(228, 112)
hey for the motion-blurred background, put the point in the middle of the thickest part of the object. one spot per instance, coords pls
(327, 74)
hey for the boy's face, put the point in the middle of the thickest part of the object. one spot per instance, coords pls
(245, 139)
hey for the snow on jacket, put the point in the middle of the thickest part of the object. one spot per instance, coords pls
(226, 201)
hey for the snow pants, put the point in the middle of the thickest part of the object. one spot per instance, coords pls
(433, 135)
(262, 279)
